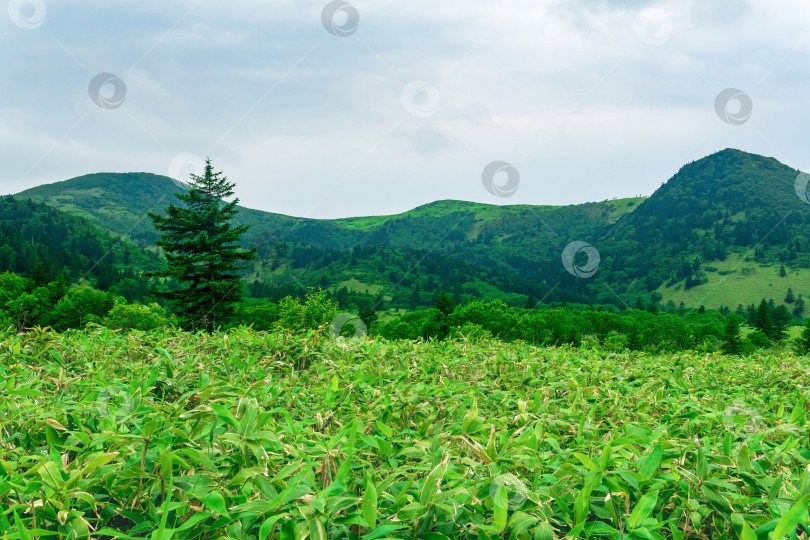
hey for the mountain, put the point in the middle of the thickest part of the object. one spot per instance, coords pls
(474, 250)
(728, 221)
(715, 234)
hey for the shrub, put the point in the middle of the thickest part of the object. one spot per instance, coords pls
(758, 339)
(80, 306)
(125, 316)
(474, 333)
(316, 312)
(615, 341)
(262, 317)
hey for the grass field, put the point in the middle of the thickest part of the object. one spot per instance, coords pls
(755, 280)
(254, 436)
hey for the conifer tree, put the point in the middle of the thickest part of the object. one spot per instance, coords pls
(781, 320)
(802, 344)
(368, 315)
(798, 308)
(732, 341)
(445, 305)
(634, 341)
(203, 251)
(763, 319)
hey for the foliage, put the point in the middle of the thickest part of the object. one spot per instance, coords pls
(261, 316)
(802, 344)
(125, 316)
(81, 305)
(368, 315)
(732, 341)
(167, 434)
(203, 252)
(37, 240)
(758, 339)
(557, 326)
(315, 312)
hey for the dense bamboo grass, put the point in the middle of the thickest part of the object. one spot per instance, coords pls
(254, 435)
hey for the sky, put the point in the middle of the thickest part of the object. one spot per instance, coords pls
(334, 109)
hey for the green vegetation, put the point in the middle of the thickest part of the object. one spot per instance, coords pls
(702, 238)
(479, 413)
(256, 435)
(203, 252)
(44, 243)
(727, 279)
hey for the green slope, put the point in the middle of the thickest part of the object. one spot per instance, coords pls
(712, 212)
(727, 279)
(719, 208)
(454, 245)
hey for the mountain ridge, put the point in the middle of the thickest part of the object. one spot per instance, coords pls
(718, 206)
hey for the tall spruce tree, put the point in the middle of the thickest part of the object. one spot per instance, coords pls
(203, 251)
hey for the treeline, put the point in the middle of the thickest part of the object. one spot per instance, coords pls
(631, 329)
(650, 330)
(26, 303)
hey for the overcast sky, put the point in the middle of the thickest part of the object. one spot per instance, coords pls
(314, 115)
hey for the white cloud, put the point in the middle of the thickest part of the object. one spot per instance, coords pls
(566, 91)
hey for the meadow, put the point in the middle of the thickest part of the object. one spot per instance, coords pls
(253, 435)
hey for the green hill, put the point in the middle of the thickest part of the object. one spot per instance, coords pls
(475, 250)
(717, 211)
(728, 206)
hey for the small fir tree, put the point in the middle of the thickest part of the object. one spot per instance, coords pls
(732, 341)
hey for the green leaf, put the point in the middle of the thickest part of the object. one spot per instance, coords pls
(643, 509)
(383, 530)
(747, 533)
(161, 533)
(216, 502)
(791, 519)
(248, 422)
(519, 522)
(411, 512)
(316, 529)
(472, 422)
(431, 485)
(702, 465)
(267, 526)
(586, 461)
(798, 416)
(544, 531)
(385, 430)
(501, 506)
(604, 459)
(743, 461)
(370, 503)
(582, 502)
(224, 415)
(21, 528)
(651, 462)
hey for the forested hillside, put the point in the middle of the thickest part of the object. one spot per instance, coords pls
(41, 241)
(696, 239)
